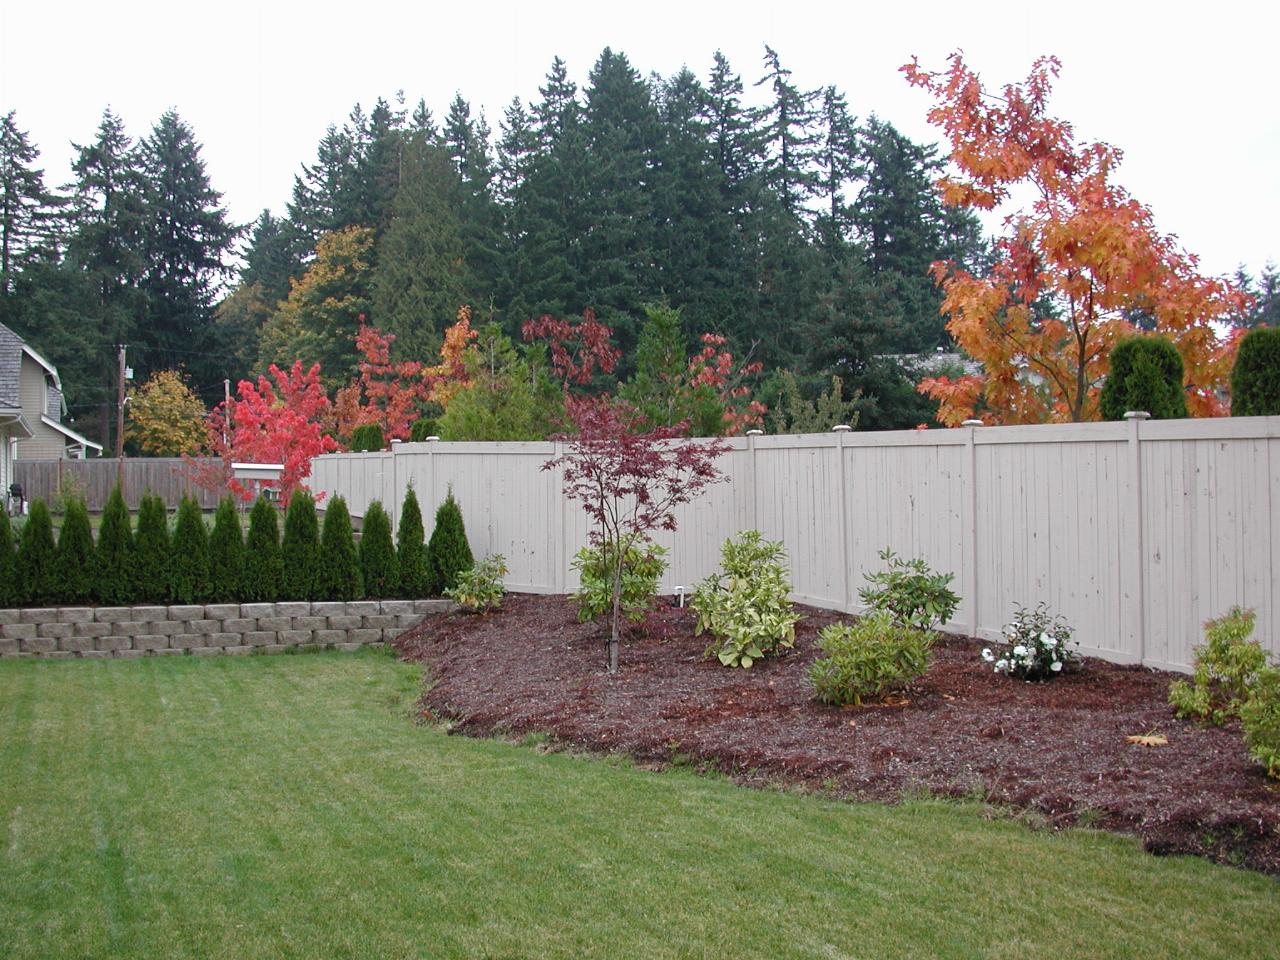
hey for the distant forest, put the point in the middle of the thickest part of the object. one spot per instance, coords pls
(796, 229)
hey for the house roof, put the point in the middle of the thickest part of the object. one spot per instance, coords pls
(10, 366)
(70, 434)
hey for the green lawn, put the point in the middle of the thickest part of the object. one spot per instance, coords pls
(248, 807)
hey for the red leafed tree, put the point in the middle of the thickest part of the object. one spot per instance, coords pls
(385, 392)
(714, 367)
(268, 422)
(1075, 269)
(629, 482)
(577, 349)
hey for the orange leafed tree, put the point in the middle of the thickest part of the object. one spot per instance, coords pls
(1074, 269)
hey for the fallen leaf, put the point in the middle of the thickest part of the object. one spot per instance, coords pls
(1148, 740)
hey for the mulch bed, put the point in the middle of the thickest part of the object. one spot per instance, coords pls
(1058, 748)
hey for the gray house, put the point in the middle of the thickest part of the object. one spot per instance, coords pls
(32, 408)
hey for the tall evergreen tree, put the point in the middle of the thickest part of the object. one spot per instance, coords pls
(378, 566)
(790, 136)
(338, 573)
(74, 566)
(300, 549)
(117, 582)
(9, 595)
(263, 566)
(448, 552)
(152, 552)
(226, 554)
(190, 554)
(411, 550)
(37, 558)
(27, 209)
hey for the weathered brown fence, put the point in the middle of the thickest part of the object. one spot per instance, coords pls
(168, 477)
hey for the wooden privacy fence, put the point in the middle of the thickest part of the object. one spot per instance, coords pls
(165, 476)
(1136, 532)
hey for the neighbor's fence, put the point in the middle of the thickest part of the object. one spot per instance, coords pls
(167, 477)
(1136, 532)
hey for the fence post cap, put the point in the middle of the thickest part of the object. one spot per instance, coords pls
(755, 433)
(973, 423)
(1137, 415)
(841, 428)
(432, 439)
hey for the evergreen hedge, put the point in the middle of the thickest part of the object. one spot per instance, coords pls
(367, 438)
(190, 554)
(263, 567)
(153, 562)
(421, 429)
(116, 574)
(8, 564)
(300, 549)
(448, 553)
(378, 564)
(37, 558)
(74, 566)
(1255, 378)
(226, 554)
(411, 552)
(338, 575)
(1146, 374)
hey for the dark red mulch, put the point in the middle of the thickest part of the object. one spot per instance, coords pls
(1057, 748)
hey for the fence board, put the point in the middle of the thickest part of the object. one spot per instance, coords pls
(167, 477)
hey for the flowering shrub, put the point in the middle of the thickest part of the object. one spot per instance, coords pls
(747, 608)
(1037, 646)
(867, 659)
(643, 563)
(480, 588)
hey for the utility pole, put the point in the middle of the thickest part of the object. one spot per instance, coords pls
(120, 349)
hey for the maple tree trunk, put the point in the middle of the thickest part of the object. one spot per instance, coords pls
(617, 609)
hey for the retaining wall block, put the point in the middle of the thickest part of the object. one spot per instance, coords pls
(38, 645)
(274, 648)
(75, 614)
(202, 626)
(379, 621)
(37, 615)
(310, 623)
(166, 627)
(112, 643)
(256, 610)
(293, 608)
(362, 636)
(168, 652)
(396, 608)
(275, 623)
(150, 642)
(363, 608)
(423, 607)
(206, 651)
(194, 611)
(8, 647)
(130, 654)
(10, 615)
(348, 647)
(77, 644)
(128, 628)
(94, 654)
(184, 641)
(149, 613)
(224, 640)
(221, 611)
(112, 614)
(55, 629)
(259, 638)
(292, 638)
(407, 620)
(328, 608)
(239, 624)
(240, 651)
(93, 629)
(344, 622)
(329, 636)
(19, 631)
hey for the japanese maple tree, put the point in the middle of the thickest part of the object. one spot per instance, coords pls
(386, 392)
(629, 482)
(714, 368)
(1074, 269)
(578, 348)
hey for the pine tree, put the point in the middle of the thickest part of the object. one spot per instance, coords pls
(300, 549)
(226, 554)
(411, 550)
(74, 567)
(152, 554)
(37, 559)
(263, 567)
(1146, 374)
(448, 552)
(338, 576)
(378, 565)
(190, 554)
(9, 595)
(117, 571)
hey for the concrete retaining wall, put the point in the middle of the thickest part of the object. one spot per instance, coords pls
(207, 628)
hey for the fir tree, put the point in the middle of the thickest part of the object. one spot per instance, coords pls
(300, 549)
(26, 208)
(74, 569)
(226, 554)
(338, 576)
(448, 552)
(190, 554)
(263, 567)
(8, 564)
(152, 557)
(411, 551)
(378, 564)
(37, 558)
(117, 571)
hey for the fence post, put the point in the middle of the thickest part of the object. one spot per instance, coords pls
(751, 455)
(840, 430)
(971, 528)
(395, 498)
(1137, 557)
(561, 535)
(429, 508)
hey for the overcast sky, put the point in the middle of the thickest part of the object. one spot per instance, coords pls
(1188, 93)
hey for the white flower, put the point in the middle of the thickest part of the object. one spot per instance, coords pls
(1001, 665)
(987, 655)
(1019, 651)
(1055, 666)
(1050, 641)
(1044, 637)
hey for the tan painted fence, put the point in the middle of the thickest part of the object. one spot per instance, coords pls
(168, 477)
(1135, 532)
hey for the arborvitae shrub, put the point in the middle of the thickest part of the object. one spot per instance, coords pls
(263, 567)
(116, 574)
(448, 553)
(1255, 378)
(190, 554)
(75, 562)
(421, 429)
(226, 554)
(37, 556)
(377, 554)
(339, 570)
(8, 564)
(300, 550)
(153, 561)
(367, 437)
(411, 551)
(1146, 374)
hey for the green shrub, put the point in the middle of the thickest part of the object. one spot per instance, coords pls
(480, 589)
(1255, 378)
(367, 438)
(37, 558)
(1227, 664)
(1146, 374)
(377, 554)
(421, 429)
(300, 549)
(643, 564)
(226, 554)
(868, 658)
(153, 561)
(448, 552)
(190, 554)
(338, 575)
(411, 551)
(1038, 646)
(747, 607)
(910, 592)
(74, 568)
(1260, 719)
(8, 564)
(117, 583)
(263, 566)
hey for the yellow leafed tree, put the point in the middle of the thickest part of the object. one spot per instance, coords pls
(165, 417)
